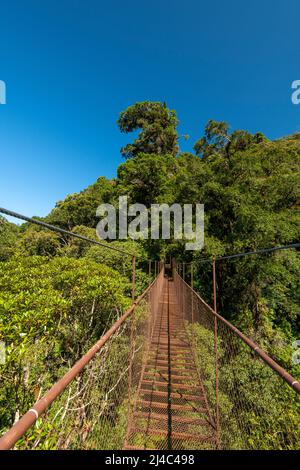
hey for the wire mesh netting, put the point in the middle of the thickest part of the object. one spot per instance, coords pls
(171, 411)
(93, 412)
(252, 406)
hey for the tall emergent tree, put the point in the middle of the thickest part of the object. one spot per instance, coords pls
(157, 124)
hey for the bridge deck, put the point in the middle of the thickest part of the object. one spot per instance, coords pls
(171, 411)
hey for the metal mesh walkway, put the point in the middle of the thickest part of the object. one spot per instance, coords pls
(171, 411)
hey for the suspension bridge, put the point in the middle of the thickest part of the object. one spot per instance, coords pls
(170, 374)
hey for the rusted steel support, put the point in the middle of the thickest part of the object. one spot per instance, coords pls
(149, 267)
(288, 378)
(133, 276)
(216, 356)
(8, 440)
(214, 284)
(131, 354)
(169, 406)
(131, 348)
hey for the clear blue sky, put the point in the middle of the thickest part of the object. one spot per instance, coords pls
(71, 66)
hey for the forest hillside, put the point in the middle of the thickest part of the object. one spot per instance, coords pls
(58, 294)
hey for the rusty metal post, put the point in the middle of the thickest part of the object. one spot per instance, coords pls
(131, 349)
(155, 268)
(133, 276)
(149, 267)
(216, 356)
(184, 293)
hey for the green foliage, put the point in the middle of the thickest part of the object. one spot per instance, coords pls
(120, 262)
(51, 311)
(92, 413)
(217, 139)
(251, 202)
(76, 247)
(58, 293)
(257, 410)
(38, 241)
(8, 239)
(158, 129)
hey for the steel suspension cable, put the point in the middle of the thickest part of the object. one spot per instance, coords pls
(247, 253)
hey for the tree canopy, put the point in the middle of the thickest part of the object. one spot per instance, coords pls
(157, 125)
(250, 187)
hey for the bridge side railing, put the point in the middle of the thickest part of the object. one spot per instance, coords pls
(88, 408)
(254, 401)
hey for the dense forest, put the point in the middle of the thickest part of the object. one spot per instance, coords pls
(58, 294)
